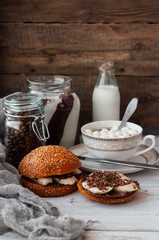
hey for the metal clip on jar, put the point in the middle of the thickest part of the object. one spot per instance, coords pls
(61, 107)
(24, 125)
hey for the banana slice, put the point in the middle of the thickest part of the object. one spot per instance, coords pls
(96, 190)
(127, 188)
(66, 181)
(43, 181)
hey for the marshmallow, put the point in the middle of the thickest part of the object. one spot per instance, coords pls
(96, 134)
(125, 134)
(114, 129)
(88, 131)
(112, 133)
(104, 131)
(125, 129)
(132, 132)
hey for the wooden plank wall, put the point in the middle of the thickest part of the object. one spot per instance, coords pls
(73, 37)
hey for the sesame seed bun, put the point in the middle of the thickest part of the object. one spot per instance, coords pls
(49, 160)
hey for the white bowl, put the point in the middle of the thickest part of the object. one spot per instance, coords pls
(114, 148)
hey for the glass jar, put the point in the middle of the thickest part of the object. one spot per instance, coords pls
(25, 129)
(106, 95)
(61, 107)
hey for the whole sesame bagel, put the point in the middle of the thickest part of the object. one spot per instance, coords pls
(109, 179)
(50, 171)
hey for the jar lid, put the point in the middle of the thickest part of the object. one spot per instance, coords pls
(19, 101)
(53, 82)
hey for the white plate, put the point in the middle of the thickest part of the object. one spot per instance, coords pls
(149, 157)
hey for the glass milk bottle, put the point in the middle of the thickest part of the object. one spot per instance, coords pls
(61, 107)
(106, 96)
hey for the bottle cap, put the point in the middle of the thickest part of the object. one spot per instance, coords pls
(106, 66)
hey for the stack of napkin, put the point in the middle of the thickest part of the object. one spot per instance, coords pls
(23, 215)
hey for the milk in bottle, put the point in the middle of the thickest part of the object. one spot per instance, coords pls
(106, 96)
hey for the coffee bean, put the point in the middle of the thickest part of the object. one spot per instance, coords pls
(11, 137)
(21, 139)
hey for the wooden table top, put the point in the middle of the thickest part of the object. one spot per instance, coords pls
(136, 219)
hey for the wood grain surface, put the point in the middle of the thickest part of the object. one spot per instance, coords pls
(79, 11)
(73, 38)
(136, 219)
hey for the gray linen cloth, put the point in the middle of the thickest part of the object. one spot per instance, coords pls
(28, 215)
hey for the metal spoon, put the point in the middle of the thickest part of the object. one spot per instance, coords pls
(128, 113)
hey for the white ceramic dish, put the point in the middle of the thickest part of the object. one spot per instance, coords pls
(115, 148)
(150, 157)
